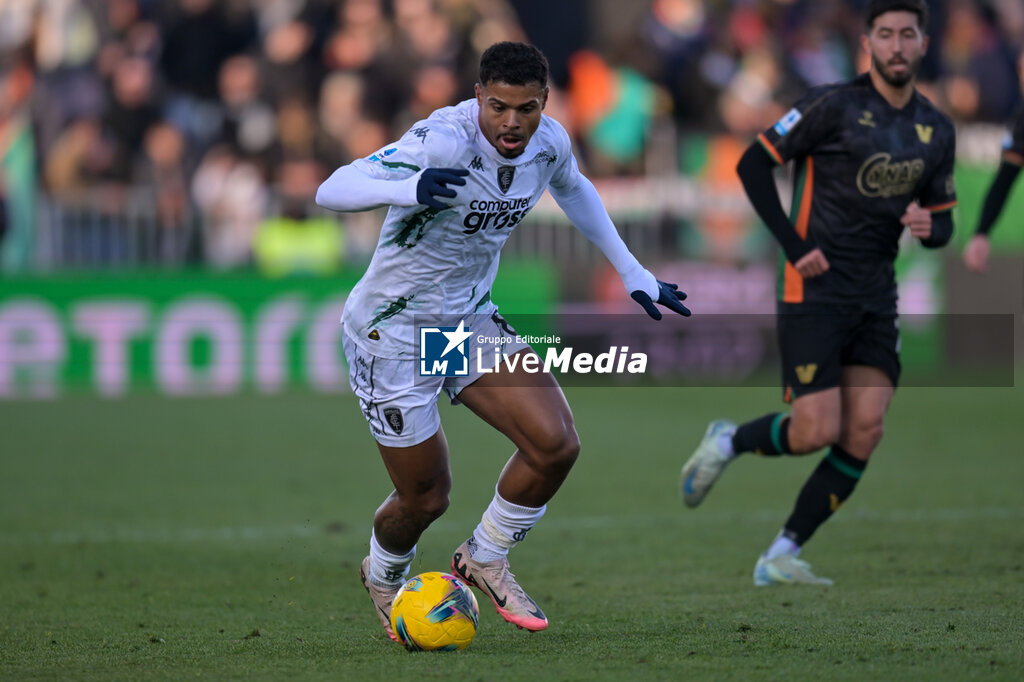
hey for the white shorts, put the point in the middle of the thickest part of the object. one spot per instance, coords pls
(400, 404)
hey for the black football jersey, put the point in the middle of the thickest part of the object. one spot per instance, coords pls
(859, 162)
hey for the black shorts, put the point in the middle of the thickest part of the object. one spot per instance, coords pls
(817, 341)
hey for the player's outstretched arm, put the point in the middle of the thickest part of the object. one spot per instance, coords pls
(583, 206)
(351, 189)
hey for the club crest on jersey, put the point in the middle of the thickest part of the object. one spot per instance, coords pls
(395, 420)
(505, 176)
(786, 123)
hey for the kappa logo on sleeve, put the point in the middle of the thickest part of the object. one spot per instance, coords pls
(444, 351)
(786, 123)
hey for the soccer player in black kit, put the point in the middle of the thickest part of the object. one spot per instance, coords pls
(872, 158)
(976, 252)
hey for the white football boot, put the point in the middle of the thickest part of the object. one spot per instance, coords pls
(705, 465)
(382, 597)
(785, 569)
(494, 579)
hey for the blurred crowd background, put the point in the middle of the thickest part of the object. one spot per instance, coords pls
(180, 133)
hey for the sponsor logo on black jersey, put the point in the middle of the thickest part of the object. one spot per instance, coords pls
(880, 176)
(924, 133)
(505, 176)
(867, 119)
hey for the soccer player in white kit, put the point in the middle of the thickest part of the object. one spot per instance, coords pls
(438, 255)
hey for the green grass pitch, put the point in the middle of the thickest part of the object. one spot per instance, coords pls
(150, 538)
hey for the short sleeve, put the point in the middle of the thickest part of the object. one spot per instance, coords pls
(807, 125)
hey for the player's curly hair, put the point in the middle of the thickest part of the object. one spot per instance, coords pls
(877, 7)
(513, 63)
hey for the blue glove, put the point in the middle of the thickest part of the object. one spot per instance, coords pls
(668, 296)
(434, 182)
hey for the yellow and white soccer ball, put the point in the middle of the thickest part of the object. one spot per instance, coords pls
(435, 611)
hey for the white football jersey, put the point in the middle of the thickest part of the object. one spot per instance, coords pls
(443, 262)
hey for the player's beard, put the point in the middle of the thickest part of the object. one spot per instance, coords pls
(897, 80)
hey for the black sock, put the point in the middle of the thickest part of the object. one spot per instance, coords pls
(767, 435)
(828, 487)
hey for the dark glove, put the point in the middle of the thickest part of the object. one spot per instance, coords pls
(668, 296)
(434, 182)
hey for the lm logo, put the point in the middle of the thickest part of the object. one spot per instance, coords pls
(444, 351)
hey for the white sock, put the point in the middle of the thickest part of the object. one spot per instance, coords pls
(387, 569)
(782, 545)
(725, 445)
(501, 528)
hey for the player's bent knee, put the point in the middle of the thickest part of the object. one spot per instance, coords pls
(875, 432)
(557, 451)
(865, 438)
(432, 506)
(569, 448)
(561, 453)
